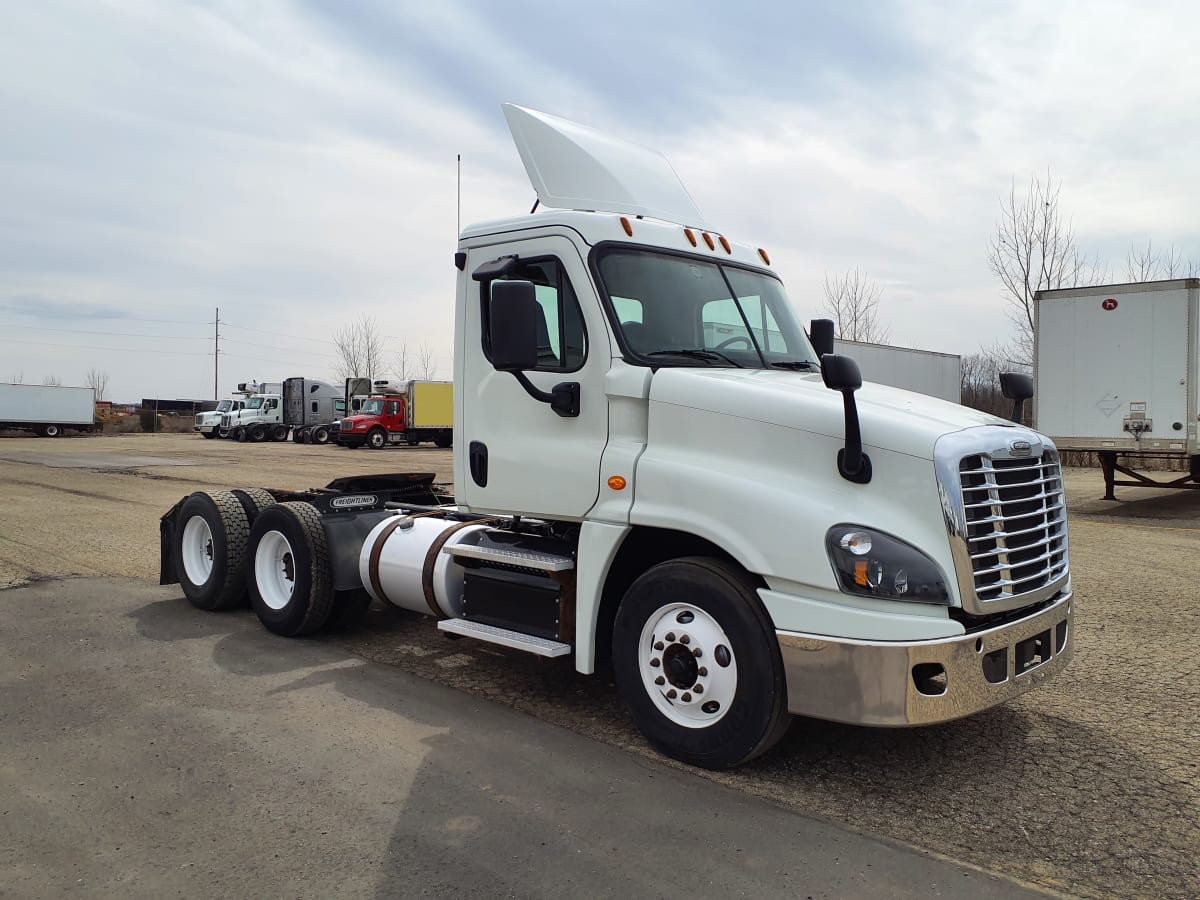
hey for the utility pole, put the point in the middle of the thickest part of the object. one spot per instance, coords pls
(458, 221)
(216, 352)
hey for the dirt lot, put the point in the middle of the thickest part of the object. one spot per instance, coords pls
(1090, 785)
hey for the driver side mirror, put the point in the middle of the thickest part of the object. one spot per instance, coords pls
(512, 324)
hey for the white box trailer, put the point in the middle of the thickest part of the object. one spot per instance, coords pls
(47, 410)
(1115, 372)
(922, 371)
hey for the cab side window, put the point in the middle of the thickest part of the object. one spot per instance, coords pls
(561, 339)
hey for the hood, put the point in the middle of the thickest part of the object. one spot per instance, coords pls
(890, 418)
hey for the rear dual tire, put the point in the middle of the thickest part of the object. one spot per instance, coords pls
(211, 540)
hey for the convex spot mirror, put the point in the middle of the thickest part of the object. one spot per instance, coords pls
(512, 322)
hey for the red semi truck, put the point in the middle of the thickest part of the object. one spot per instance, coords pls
(405, 413)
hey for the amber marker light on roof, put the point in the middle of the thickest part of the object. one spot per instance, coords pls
(762, 254)
(708, 240)
(691, 236)
(617, 483)
(725, 244)
(627, 225)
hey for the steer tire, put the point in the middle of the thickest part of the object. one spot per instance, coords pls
(699, 621)
(377, 439)
(289, 574)
(209, 545)
(239, 435)
(209, 435)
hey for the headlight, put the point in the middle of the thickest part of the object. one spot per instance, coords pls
(873, 564)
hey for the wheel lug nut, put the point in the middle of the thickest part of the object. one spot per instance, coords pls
(658, 645)
(671, 694)
(660, 680)
(670, 636)
(698, 688)
(697, 653)
(684, 639)
(702, 671)
(656, 662)
(686, 698)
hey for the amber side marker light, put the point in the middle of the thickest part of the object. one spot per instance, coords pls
(691, 236)
(708, 240)
(725, 244)
(617, 483)
(627, 225)
(762, 254)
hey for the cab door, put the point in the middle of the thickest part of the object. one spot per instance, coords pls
(514, 454)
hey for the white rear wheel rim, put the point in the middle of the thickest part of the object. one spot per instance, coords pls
(687, 665)
(275, 570)
(197, 547)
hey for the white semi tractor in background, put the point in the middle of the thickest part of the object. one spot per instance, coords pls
(47, 410)
(299, 408)
(732, 520)
(1117, 372)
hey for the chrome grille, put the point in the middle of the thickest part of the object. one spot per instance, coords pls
(225, 421)
(1016, 523)
(200, 419)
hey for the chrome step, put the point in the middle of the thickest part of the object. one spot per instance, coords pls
(525, 559)
(493, 635)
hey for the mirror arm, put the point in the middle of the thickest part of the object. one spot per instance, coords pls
(563, 397)
(853, 464)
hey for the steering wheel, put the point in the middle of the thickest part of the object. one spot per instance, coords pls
(733, 340)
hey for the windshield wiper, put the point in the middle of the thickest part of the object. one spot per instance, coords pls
(794, 364)
(697, 354)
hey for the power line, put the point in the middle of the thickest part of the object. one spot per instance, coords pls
(278, 333)
(157, 337)
(109, 349)
(230, 340)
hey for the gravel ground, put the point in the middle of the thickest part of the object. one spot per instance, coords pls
(1090, 785)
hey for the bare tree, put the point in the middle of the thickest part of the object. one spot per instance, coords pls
(426, 363)
(402, 367)
(17, 378)
(51, 380)
(1033, 250)
(1148, 264)
(98, 381)
(360, 350)
(853, 302)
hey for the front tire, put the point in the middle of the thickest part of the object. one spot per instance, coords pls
(290, 578)
(698, 665)
(377, 439)
(210, 549)
(208, 435)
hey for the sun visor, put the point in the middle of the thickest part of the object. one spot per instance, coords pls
(572, 166)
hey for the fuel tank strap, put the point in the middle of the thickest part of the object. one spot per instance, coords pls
(431, 559)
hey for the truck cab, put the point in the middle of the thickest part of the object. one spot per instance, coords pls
(378, 422)
(659, 470)
(209, 423)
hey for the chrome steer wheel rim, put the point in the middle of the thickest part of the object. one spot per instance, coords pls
(197, 550)
(275, 570)
(687, 665)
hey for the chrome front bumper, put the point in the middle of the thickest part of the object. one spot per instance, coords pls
(899, 684)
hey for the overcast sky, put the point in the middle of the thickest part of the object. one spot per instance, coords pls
(293, 163)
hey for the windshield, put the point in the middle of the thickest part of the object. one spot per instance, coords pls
(224, 406)
(372, 408)
(720, 315)
(254, 403)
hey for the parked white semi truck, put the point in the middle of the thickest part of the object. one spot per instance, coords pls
(738, 526)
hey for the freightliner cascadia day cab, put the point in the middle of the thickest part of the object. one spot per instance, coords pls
(731, 520)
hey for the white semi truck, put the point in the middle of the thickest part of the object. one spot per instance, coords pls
(1117, 372)
(738, 526)
(47, 410)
